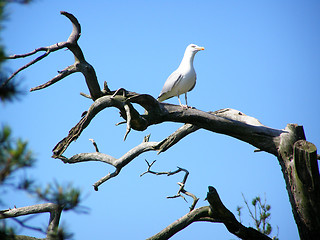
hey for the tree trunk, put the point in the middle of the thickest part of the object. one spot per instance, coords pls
(300, 169)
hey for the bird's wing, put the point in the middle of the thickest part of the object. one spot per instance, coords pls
(194, 83)
(172, 81)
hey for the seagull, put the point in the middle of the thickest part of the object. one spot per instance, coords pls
(183, 79)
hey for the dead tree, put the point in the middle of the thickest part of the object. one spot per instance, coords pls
(297, 157)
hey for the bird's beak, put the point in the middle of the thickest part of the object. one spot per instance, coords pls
(200, 48)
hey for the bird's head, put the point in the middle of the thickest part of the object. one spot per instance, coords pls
(194, 48)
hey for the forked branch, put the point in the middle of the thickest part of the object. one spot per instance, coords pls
(52, 208)
(216, 212)
(226, 121)
(80, 64)
(181, 184)
(121, 162)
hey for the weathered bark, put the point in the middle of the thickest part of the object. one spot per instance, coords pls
(227, 121)
(298, 160)
(216, 212)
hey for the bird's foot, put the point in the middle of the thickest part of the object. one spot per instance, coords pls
(185, 106)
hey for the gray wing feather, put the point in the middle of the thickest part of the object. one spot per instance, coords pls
(172, 80)
(193, 84)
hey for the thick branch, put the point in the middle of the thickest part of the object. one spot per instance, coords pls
(216, 212)
(227, 121)
(99, 104)
(54, 210)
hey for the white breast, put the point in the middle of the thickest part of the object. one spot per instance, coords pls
(186, 83)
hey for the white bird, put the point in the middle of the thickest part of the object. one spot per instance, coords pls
(183, 79)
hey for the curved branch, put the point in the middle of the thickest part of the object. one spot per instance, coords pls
(76, 28)
(54, 210)
(216, 212)
(80, 64)
(130, 155)
(99, 104)
(226, 121)
(181, 184)
(47, 50)
(180, 224)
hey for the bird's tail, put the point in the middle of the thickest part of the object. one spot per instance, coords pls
(161, 98)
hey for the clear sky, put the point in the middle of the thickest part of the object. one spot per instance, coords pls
(261, 58)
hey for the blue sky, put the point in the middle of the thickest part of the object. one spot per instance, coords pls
(261, 58)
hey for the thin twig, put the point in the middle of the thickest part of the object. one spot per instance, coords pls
(181, 184)
(124, 92)
(21, 223)
(106, 178)
(80, 65)
(94, 144)
(127, 109)
(85, 95)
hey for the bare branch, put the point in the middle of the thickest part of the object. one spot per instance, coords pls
(85, 95)
(80, 64)
(183, 222)
(106, 178)
(47, 50)
(227, 121)
(22, 223)
(62, 74)
(126, 107)
(216, 212)
(237, 124)
(15, 56)
(76, 28)
(54, 210)
(149, 167)
(181, 184)
(100, 104)
(94, 144)
(129, 156)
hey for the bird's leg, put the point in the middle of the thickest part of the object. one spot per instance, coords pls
(179, 100)
(184, 106)
(185, 95)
